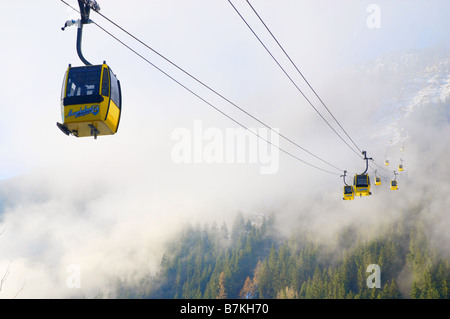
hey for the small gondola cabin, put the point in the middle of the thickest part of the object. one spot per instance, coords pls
(377, 181)
(91, 101)
(349, 194)
(394, 185)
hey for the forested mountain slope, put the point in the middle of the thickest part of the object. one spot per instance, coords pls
(251, 261)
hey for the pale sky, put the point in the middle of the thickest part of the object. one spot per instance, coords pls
(85, 198)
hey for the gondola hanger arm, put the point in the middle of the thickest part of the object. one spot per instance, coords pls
(345, 174)
(85, 8)
(367, 160)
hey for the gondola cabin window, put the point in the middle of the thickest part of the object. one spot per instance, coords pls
(115, 90)
(361, 180)
(105, 82)
(82, 82)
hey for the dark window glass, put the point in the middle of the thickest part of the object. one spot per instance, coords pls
(361, 180)
(115, 90)
(105, 82)
(83, 81)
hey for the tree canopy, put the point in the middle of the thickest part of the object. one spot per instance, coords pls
(251, 261)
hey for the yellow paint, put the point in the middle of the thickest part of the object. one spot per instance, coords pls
(104, 116)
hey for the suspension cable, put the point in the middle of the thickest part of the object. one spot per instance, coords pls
(301, 74)
(290, 78)
(214, 91)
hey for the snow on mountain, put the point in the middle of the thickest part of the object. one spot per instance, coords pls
(413, 80)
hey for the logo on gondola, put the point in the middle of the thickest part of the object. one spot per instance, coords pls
(94, 109)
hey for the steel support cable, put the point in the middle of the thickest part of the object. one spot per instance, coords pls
(290, 78)
(383, 168)
(211, 105)
(376, 173)
(307, 82)
(215, 91)
(301, 74)
(202, 99)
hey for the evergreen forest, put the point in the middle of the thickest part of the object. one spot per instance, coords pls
(251, 260)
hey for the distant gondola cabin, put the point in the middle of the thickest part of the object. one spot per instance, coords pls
(91, 101)
(377, 181)
(394, 185)
(349, 193)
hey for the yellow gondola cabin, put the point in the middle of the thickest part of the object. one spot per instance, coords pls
(377, 181)
(91, 101)
(394, 185)
(361, 184)
(349, 194)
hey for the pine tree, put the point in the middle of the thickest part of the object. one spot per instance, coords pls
(249, 290)
(391, 291)
(257, 273)
(416, 291)
(222, 294)
(287, 293)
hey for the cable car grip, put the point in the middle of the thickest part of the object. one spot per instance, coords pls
(345, 174)
(85, 8)
(367, 160)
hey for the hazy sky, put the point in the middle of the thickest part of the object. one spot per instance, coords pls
(95, 203)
